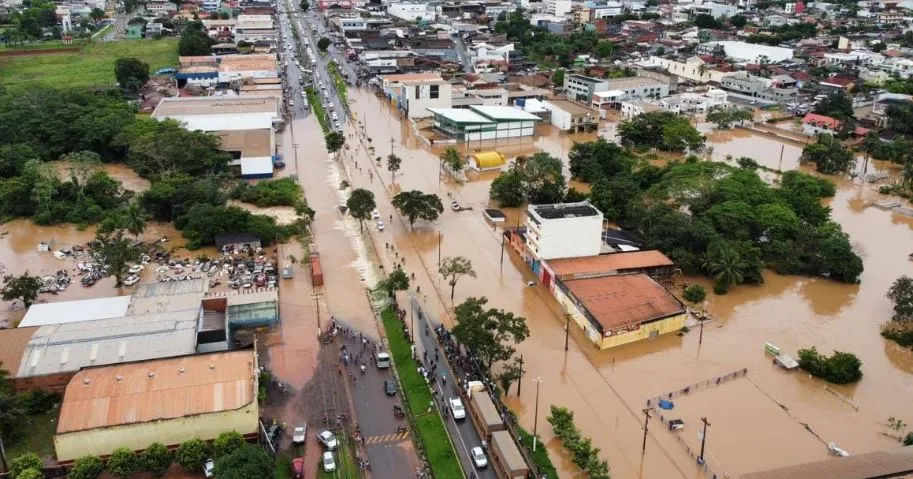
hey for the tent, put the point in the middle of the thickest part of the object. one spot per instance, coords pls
(489, 160)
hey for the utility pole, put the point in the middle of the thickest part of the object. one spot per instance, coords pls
(520, 379)
(538, 381)
(643, 448)
(502, 253)
(3, 456)
(412, 315)
(700, 338)
(295, 147)
(567, 330)
(440, 241)
(317, 302)
(700, 459)
(391, 145)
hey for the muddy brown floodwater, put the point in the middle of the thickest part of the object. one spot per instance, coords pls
(766, 419)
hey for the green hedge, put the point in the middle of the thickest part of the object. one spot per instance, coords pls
(432, 433)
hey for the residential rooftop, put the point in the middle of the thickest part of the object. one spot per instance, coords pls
(251, 143)
(565, 210)
(155, 390)
(214, 105)
(608, 263)
(410, 77)
(624, 300)
(571, 107)
(879, 464)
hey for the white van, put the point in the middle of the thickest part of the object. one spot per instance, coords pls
(383, 360)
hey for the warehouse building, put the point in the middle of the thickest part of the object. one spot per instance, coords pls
(481, 122)
(168, 401)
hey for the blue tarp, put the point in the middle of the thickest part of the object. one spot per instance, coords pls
(663, 404)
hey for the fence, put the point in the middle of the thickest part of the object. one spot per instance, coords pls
(690, 452)
(698, 386)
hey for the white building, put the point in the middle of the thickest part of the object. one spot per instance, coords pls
(633, 108)
(570, 116)
(607, 10)
(411, 12)
(415, 93)
(715, 10)
(220, 113)
(748, 52)
(564, 230)
(485, 52)
(558, 8)
(693, 69)
(695, 103)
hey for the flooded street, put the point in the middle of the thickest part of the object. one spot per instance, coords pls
(761, 418)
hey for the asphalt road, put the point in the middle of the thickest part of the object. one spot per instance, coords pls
(463, 53)
(463, 432)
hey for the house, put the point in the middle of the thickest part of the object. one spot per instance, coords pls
(238, 242)
(159, 8)
(747, 52)
(416, 93)
(411, 12)
(835, 83)
(650, 262)
(167, 400)
(634, 108)
(814, 124)
(694, 103)
(581, 87)
(570, 116)
(482, 122)
(622, 309)
(562, 230)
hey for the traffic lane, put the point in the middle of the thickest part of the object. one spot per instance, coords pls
(462, 431)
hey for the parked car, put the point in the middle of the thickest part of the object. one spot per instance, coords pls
(328, 439)
(375, 215)
(380, 226)
(456, 407)
(390, 387)
(329, 464)
(478, 457)
(209, 468)
(298, 467)
(299, 435)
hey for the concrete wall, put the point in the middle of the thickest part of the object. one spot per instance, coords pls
(560, 118)
(668, 325)
(419, 102)
(102, 441)
(567, 237)
(49, 382)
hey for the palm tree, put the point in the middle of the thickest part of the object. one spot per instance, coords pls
(702, 69)
(726, 265)
(135, 220)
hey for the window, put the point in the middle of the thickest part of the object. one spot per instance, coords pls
(435, 91)
(418, 91)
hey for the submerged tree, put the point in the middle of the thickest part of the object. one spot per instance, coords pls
(454, 268)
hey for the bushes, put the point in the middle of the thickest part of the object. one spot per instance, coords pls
(245, 462)
(192, 454)
(156, 459)
(122, 462)
(227, 443)
(87, 467)
(584, 455)
(23, 463)
(281, 192)
(839, 368)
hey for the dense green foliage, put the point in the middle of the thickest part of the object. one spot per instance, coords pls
(156, 148)
(536, 179)
(227, 443)
(361, 204)
(785, 33)
(714, 219)
(281, 192)
(323, 43)
(489, 333)
(131, 73)
(245, 462)
(191, 455)
(663, 130)
(23, 287)
(828, 155)
(839, 368)
(725, 117)
(25, 462)
(694, 294)
(418, 206)
(901, 295)
(538, 44)
(194, 40)
(397, 280)
(583, 454)
(202, 223)
(122, 462)
(87, 467)
(156, 459)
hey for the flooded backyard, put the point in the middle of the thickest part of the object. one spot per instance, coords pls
(767, 418)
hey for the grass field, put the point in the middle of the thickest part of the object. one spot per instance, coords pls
(429, 425)
(93, 66)
(39, 438)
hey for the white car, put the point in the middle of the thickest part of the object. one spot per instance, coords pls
(329, 464)
(375, 215)
(209, 468)
(380, 225)
(335, 116)
(478, 457)
(456, 407)
(299, 435)
(328, 439)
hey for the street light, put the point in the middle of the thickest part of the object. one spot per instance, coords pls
(567, 330)
(538, 382)
(700, 458)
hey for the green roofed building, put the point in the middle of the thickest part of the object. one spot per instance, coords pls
(480, 122)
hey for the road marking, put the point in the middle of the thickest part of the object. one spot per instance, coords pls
(387, 438)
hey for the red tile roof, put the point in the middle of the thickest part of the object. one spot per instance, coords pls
(608, 263)
(821, 120)
(617, 301)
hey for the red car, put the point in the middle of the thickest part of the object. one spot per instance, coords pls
(298, 467)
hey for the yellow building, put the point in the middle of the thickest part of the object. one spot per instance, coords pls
(136, 404)
(622, 309)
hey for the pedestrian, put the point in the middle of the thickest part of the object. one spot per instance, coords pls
(444, 379)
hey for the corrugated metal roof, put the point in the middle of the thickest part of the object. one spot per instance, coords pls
(155, 390)
(504, 443)
(459, 115)
(879, 464)
(489, 159)
(623, 300)
(608, 263)
(69, 311)
(214, 105)
(12, 346)
(504, 113)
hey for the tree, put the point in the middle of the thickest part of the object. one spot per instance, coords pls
(725, 117)
(507, 188)
(156, 459)
(334, 140)
(510, 373)
(118, 252)
(323, 44)
(417, 205)
(836, 105)
(829, 156)
(246, 462)
(97, 14)
(393, 164)
(361, 205)
(901, 295)
(304, 5)
(227, 443)
(131, 73)
(839, 368)
(488, 333)
(25, 462)
(159, 148)
(195, 41)
(558, 77)
(23, 287)
(703, 20)
(598, 159)
(135, 219)
(87, 467)
(398, 280)
(694, 294)
(191, 454)
(12, 410)
(31, 474)
(452, 159)
(454, 268)
(726, 265)
(122, 462)
(660, 129)
(738, 21)
(605, 49)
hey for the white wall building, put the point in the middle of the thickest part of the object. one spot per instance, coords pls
(484, 52)
(558, 8)
(695, 103)
(748, 52)
(411, 12)
(608, 10)
(424, 94)
(564, 230)
(690, 69)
